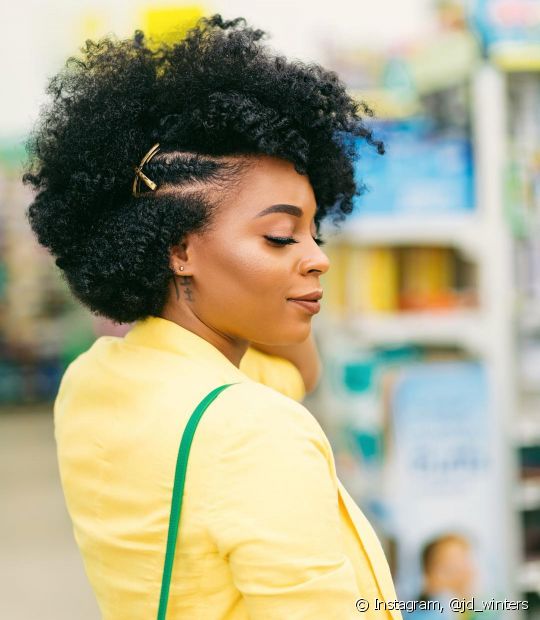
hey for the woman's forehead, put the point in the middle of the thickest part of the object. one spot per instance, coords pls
(273, 181)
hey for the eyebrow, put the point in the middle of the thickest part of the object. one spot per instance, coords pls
(290, 209)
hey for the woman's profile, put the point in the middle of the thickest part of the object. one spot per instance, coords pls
(181, 188)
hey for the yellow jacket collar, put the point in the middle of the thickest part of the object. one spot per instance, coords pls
(159, 333)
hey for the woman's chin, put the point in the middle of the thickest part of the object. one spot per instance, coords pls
(294, 336)
(282, 338)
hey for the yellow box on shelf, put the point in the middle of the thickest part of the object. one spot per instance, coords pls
(516, 57)
(428, 276)
(372, 280)
(169, 22)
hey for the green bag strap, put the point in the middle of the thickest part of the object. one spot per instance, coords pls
(178, 491)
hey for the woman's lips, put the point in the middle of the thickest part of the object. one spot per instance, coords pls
(311, 306)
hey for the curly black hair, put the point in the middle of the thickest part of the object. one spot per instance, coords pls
(208, 99)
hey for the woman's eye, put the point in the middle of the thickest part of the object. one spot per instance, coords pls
(288, 240)
(281, 240)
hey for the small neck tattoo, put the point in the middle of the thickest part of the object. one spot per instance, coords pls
(185, 281)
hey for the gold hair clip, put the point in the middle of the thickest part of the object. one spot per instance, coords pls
(139, 174)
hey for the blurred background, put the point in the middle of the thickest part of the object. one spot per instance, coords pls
(430, 331)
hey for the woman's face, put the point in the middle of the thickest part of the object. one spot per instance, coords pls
(242, 282)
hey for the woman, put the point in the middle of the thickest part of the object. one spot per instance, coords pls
(182, 188)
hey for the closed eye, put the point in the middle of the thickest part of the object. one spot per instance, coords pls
(288, 240)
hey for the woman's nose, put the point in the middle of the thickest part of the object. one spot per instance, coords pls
(316, 260)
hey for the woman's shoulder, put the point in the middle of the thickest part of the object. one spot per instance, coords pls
(274, 371)
(260, 399)
(246, 408)
(249, 407)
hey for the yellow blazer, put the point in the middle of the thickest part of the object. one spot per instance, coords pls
(268, 532)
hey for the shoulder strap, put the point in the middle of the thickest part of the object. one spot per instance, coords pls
(178, 491)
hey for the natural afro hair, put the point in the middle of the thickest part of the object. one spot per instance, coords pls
(209, 99)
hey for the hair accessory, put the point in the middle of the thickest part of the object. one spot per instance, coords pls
(139, 174)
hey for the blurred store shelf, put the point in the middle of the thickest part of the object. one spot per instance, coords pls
(529, 576)
(529, 385)
(527, 428)
(528, 496)
(514, 57)
(528, 316)
(463, 231)
(389, 103)
(457, 328)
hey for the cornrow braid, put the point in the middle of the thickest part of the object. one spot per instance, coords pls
(186, 171)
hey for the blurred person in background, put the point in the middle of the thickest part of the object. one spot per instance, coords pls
(449, 572)
(180, 187)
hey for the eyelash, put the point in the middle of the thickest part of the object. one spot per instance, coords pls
(288, 240)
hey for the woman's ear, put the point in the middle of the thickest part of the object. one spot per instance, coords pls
(179, 258)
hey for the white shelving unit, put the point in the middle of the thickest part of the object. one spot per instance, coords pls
(461, 328)
(488, 332)
(525, 320)
(496, 281)
(463, 232)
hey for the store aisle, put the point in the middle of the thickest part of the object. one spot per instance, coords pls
(41, 573)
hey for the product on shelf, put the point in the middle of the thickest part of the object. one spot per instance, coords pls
(372, 280)
(375, 280)
(423, 172)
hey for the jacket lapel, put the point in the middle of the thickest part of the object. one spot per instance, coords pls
(369, 540)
